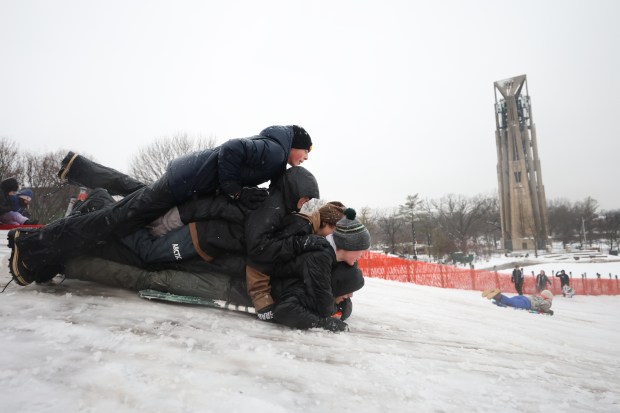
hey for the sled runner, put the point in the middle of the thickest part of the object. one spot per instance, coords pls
(186, 299)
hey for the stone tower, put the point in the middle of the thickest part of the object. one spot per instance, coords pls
(523, 206)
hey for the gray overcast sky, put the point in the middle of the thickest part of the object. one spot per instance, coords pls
(397, 95)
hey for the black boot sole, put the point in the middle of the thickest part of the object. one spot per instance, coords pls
(14, 266)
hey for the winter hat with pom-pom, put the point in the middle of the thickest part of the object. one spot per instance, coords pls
(350, 234)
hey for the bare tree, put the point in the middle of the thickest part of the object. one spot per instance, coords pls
(366, 217)
(461, 217)
(390, 226)
(587, 212)
(51, 197)
(152, 160)
(427, 223)
(564, 221)
(9, 161)
(492, 229)
(609, 226)
(442, 244)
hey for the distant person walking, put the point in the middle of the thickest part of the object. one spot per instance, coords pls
(542, 281)
(564, 281)
(517, 279)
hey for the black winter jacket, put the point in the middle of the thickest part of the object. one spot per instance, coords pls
(301, 303)
(517, 277)
(7, 185)
(264, 226)
(314, 270)
(564, 279)
(246, 161)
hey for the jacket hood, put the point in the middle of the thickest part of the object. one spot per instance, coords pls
(281, 134)
(25, 193)
(296, 182)
(346, 279)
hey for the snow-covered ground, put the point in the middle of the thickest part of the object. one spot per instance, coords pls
(81, 347)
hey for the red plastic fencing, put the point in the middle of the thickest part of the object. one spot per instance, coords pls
(377, 265)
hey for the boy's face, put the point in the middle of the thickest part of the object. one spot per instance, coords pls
(297, 156)
(341, 298)
(351, 257)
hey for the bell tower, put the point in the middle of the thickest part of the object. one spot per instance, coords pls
(523, 206)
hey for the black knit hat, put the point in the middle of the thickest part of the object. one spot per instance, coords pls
(350, 234)
(301, 139)
(346, 279)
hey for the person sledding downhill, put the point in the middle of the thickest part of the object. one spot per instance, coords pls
(313, 290)
(537, 303)
(235, 168)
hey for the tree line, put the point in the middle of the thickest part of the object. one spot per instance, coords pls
(471, 224)
(435, 227)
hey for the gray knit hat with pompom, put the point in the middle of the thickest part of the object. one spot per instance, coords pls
(350, 234)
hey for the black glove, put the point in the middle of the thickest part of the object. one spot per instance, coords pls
(249, 197)
(305, 243)
(550, 312)
(253, 197)
(332, 324)
(346, 308)
(231, 188)
(31, 222)
(266, 314)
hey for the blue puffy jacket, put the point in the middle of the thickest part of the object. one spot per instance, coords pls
(246, 161)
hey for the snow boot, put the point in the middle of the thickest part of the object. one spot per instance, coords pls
(30, 261)
(80, 171)
(259, 290)
(491, 293)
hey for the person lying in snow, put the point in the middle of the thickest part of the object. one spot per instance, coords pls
(235, 168)
(540, 303)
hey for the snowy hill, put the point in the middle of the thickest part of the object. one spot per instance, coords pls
(81, 347)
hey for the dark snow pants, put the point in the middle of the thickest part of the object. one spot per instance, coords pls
(174, 246)
(519, 287)
(67, 236)
(84, 172)
(205, 280)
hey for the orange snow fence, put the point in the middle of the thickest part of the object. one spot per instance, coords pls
(378, 265)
